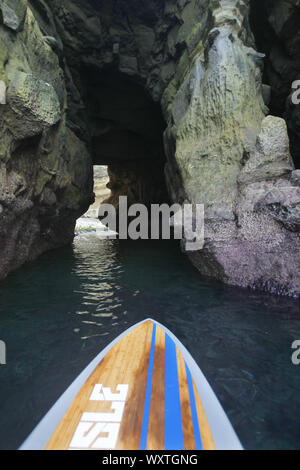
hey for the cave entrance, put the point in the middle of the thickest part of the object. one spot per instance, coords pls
(126, 133)
(101, 190)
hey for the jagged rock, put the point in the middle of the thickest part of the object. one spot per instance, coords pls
(211, 113)
(41, 195)
(128, 65)
(52, 42)
(271, 157)
(118, 64)
(295, 177)
(266, 92)
(34, 104)
(275, 24)
(9, 17)
(13, 13)
(229, 156)
(283, 204)
(280, 14)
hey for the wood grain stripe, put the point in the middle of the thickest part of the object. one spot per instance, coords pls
(156, 430)
(125, 363)
(138, 361)
(206, 436)
(187, 422)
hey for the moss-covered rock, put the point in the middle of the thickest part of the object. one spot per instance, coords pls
(197, 58)
(13, 13)
(33, 103)
(45, 181)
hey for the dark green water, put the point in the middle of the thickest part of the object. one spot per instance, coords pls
(56, 314)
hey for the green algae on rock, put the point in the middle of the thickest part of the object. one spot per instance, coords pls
(167, 94)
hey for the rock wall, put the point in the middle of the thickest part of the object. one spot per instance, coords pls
(45, 170)
(235, 160)
(276, 27)
(199, 64)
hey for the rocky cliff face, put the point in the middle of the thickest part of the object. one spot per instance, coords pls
(45, 170)
(276, 28)
(145, 85)
(235, 158)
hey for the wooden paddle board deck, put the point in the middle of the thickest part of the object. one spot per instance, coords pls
(144, 393)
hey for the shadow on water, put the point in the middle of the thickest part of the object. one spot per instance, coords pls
(57, 313)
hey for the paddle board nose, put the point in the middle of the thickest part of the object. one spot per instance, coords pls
(143, 392)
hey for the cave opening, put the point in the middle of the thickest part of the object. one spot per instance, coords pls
(125, 127)
(277, 35)
(101, 190)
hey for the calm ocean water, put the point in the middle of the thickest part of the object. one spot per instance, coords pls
(57, 313)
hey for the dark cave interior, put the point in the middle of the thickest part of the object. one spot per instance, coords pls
(281, 45)
(126, 133)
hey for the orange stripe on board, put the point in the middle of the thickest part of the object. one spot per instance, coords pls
(126, 363)
(137, 369)
(156, 429)
(186, 413)
(206, 436)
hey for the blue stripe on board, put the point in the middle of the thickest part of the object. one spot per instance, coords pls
(198, 440)
(144, 435)
(173, 422)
